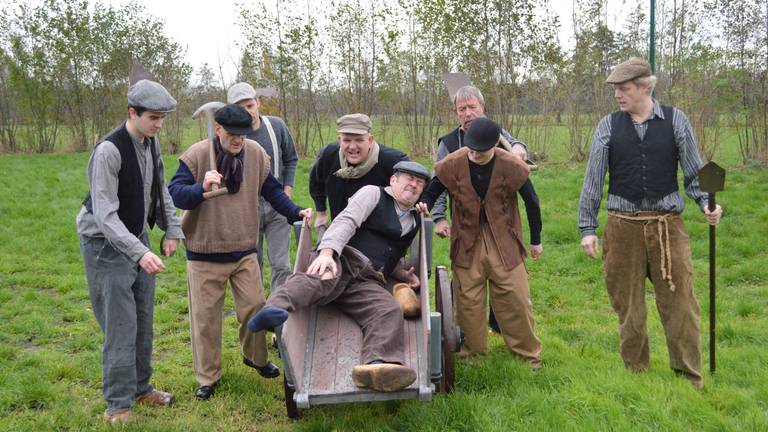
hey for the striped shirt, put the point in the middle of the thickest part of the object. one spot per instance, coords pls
(594, 178)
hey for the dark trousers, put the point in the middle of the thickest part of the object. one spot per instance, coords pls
(358, 291)
(122, 298)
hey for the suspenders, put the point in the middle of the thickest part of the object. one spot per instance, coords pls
(275, 149)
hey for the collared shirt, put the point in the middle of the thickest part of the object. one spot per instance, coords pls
(592, 190)
(360, 206)
(103, 168)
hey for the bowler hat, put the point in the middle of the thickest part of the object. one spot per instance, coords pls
(483, 134)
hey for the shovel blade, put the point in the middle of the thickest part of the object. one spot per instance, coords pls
(712, 178)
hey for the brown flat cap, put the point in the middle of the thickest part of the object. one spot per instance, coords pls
(629, 70)
(359, 124)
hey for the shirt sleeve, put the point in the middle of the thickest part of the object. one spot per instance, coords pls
(289, 157)
(187, 194)
(532, 210)
(690, 160)
(317, 176)
(272, 191)
(592, 189)
(173, 230)
(438, 211)
(344, 226)
(105, 166)
(513, 141)
(434, 190)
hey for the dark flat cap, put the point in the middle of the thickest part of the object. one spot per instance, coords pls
(629, 70)
(152, 96)
(234, 119)
(359, 124)
(412, 167)
(483, 134)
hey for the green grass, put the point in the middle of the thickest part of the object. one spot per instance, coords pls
(50, 374)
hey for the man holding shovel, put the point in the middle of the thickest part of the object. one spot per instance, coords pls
(640, 146)
(222, 233)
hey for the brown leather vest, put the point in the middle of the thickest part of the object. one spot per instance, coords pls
(500, 204)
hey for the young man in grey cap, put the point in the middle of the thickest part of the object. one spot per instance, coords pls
(359, 250)
(641, 146)
(273, 136)
(486, 239)
(222, 236)
(127, 192)
(343, 167)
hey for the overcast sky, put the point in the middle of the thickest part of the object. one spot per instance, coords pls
(209, 30)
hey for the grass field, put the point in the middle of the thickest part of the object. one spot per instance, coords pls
(50, 375)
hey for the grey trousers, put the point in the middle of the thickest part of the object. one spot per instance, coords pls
(358, 291)
(277, 231)
(122, 298)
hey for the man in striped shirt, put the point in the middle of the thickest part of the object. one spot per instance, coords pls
(640, 146)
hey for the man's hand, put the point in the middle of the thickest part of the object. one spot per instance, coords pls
(442, 228)
(288, 191)
(536, 251)
(519, 151)
(324, 265)
(408, 276)
(170, 246)
(211, 178)
(307, 215)
(151, 263)
(321, 219)
(713, 217)
(589, 244)
(422, 208)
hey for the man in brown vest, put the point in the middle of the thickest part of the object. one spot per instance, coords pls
(222, 236)
(486, 238)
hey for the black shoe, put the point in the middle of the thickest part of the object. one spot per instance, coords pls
(267, 371)
(205, 392)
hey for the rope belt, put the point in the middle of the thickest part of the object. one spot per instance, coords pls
(663, 231)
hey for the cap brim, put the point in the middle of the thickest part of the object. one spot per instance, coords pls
(237, 130)
(414, 173)
(352, 130)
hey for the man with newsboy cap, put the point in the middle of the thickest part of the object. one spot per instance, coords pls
(487, 240)
(222, 236)
(343, 167)
(127, 191)
(273, 136)
(362, 247)
(640, 146)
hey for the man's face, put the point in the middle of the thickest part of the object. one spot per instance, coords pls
(148, 123)
(406, 188)
(252, 106)
(630, 97)
(232, 144)
(355, 147)
(481, 157)
(467, 110)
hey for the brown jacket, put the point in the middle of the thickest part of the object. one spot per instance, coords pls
(227, 223)
(500, 204)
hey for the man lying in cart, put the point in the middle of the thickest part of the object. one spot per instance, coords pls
(363, 245)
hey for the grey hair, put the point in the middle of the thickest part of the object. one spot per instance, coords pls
(468, 91)
(649, 81)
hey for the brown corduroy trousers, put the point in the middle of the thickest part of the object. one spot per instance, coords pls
(632, 252)
(510, 298)
(207, 287)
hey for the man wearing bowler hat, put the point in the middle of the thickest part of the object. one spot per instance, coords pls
(361, 248)
(486, 239)
(222, 236)
(343, 167)
(127, 192)
(640, 146)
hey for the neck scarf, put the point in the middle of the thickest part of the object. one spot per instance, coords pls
(230, 166)
(348, 171)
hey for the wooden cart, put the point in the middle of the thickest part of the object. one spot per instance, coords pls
(319, 345)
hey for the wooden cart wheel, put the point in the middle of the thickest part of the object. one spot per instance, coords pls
(444, 305)
(290, 405)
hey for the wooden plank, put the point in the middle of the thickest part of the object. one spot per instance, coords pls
(324, 356)
(349, 352)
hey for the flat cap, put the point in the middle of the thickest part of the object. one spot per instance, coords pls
(412, 167)
(354, 124)
(152, 96)
(483, 134)
(629, 70)
(234, 119)
(240, 91)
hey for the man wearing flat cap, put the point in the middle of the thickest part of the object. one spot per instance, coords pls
(222, 236)
(362, 247)
(487, 240)
(343, 167)
(127, 192)
(273, 136)
(640, 147)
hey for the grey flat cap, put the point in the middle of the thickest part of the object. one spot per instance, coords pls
(412, 167)
(152, 96)
(629, 70)
(359, 124)
(240, 91)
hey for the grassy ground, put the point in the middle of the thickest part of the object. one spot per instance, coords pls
(50, 376)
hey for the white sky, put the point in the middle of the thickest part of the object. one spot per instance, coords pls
(209, 30)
